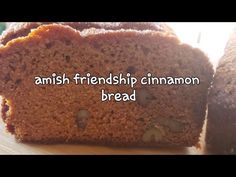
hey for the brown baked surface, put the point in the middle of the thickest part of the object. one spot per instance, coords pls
(162, 116)
(221, 130)
(20, 29)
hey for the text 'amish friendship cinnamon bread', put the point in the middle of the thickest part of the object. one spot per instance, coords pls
(162, 115)
(221, 124)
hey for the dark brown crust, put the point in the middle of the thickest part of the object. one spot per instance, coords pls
(4, 109)
(221, 126)
(23, 29)
(126, 124)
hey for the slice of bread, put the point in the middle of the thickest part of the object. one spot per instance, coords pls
(163, 115)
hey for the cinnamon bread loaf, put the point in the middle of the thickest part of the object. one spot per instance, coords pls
(162, 115)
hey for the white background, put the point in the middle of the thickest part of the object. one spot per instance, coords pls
(209, 37)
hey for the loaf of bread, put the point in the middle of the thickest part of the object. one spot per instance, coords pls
(221, 125)
(162, 115)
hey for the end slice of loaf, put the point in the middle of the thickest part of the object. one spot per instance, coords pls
(221, 126)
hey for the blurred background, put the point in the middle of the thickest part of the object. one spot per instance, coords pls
(2, 26)
(210, 37)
